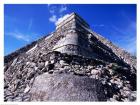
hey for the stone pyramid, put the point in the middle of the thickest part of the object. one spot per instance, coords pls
(73, 63)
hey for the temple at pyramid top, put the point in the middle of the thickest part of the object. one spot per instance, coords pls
(73, 18)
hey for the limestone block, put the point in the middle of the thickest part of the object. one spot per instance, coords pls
(66, 87)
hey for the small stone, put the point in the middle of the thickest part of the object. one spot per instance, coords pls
(58, 65)
(112, 81)
(90, 67)
(93, 76)
(67, 68)
(19, 99)
(124, 93)
(19, 76)
(52, 61)
(36, 68)
(126, 88)
(132, 97)
(127, 82)
(62, 62)
(52, 56)
(125, 100)
(7, 93)
(56, 71)
(88, 74)
(46, 63)
(50, 71)
(120, 85)
(41, 65)
(44, 69)
(97, 73)
(31, 64)
(27, 89)
(31, 81)
(5, 86)
(61, 70)
(28, 71)
(31, 75)
(50, 66)
(115, 96)
(112, 100)
(94, 72)
(9, 99)
(77, 66)
(26, 98)
(14, 62)
(109, 83)
(79, 72)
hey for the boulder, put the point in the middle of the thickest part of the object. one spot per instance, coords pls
(66, 87)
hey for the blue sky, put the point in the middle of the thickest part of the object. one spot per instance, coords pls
(24, 23)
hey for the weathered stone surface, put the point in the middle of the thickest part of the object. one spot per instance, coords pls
(83, 55)
(66, 87)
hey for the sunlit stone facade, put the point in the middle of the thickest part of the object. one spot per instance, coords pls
(75, 40)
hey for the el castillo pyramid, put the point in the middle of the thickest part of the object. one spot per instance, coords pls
(73, 63)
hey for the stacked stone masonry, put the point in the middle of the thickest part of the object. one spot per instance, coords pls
(72, 51)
